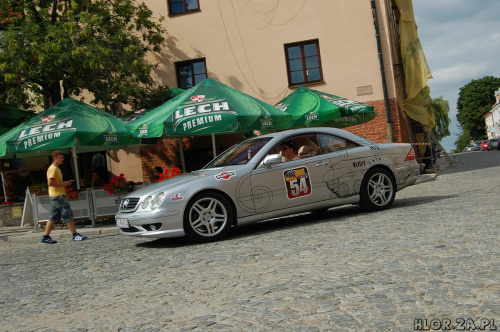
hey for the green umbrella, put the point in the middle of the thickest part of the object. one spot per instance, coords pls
(208, 108)
(171, 93)
(312, 108)
(132, 116)
(11, 117)
(3, 130)
(67, 124)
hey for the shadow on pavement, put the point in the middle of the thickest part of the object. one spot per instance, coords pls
(167, 243)
(295, 221)
(412, 201)
(299, 220)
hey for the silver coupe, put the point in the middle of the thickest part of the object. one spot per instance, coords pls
(259, 179)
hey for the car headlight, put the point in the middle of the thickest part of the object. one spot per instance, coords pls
(146, 202)
(157, 200)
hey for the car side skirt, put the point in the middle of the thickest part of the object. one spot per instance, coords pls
(297, 209)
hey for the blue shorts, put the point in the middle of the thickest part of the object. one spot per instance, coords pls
(60, 208)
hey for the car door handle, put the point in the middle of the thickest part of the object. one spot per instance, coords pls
(323, 164)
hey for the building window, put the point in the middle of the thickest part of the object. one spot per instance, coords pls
(176, 7)
(190, 73)
(303, 62)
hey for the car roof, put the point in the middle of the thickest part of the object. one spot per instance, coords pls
(324, 130)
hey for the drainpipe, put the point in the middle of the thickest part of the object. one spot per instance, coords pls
(382, 72)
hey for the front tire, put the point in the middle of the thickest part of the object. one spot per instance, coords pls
(378, 190)
(208, 217)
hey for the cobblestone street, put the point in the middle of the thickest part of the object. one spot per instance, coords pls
(434, 254)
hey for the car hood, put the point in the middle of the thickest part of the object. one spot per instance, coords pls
(177, 181)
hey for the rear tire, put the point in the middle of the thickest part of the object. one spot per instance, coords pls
(378, 190)
(208, 217)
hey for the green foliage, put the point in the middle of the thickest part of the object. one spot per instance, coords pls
(474, 100)
(441, 109)
(463, 139)
(94, 45)
(9, 10)
(155, 98)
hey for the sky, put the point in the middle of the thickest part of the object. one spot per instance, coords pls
(461, 41)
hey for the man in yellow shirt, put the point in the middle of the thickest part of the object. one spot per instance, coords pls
(60, 205)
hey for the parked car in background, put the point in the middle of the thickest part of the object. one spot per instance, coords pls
(253, 181)
(484, 145)
(493, 144)
(470, 147)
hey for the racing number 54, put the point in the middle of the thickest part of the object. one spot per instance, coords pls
(297, 182)
(300, 188)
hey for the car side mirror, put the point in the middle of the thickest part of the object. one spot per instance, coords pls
(272, 159)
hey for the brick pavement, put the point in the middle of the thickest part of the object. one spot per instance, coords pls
(434, 254)
(31, 234)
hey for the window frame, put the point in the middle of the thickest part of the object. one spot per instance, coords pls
(186, 11)
(343, 143)
(299, 140)
(191, 63)
(303, 60)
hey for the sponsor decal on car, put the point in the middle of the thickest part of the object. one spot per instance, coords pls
(297, 182)
(374, 159)
(226, 175)
(359, 163)
(177, 197)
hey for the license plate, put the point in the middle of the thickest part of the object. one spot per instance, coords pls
(122, 223)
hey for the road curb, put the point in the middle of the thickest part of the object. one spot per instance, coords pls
(34, 236)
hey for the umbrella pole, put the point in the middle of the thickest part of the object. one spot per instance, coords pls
(5, 191)
(77, 175)
(181, 150)
(213, 146)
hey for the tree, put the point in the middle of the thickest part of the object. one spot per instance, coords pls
(441, 109)
(60, 48)
(463, 139)
(474, 100)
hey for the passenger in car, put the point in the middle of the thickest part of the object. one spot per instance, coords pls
(289, 151)
(306, 151)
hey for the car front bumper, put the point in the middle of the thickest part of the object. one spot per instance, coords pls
(165, 224)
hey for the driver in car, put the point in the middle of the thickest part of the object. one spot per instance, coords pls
(289, 151)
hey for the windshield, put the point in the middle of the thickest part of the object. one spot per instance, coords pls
(239, 154)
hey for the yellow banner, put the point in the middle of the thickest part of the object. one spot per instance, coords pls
(417, 72)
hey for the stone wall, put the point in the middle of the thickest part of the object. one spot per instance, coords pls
(6, 218)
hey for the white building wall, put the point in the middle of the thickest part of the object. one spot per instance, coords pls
(492, 120)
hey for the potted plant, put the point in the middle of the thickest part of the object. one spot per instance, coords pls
(117, 184)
